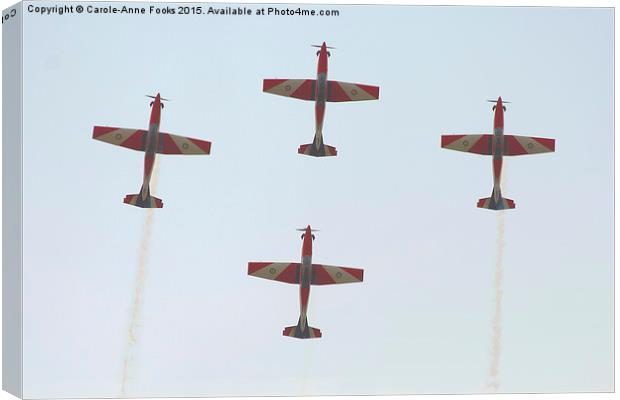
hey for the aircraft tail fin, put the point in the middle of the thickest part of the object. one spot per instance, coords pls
(322, 151)
(148, 202)
(302, 331)
(501, 204)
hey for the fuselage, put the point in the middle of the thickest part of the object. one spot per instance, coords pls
(498, 147)
(305, 275)
(151, 145)
(320, 95)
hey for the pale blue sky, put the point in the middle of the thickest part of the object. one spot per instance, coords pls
(392, 202)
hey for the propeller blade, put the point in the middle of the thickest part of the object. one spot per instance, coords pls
(495, 101)
(329, 47)
(153, 97)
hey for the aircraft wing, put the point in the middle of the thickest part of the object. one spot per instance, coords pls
(283, 272)
(520, 145)
(174, 144)
(298, 88)
(329, 275)
(343, 91)
(130, 138)
(479, 144)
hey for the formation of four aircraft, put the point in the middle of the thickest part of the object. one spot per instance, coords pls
(319, 90)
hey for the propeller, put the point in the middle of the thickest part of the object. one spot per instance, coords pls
(495, 101)
(495, 104)
(319, 46)
(304, 232)
(153, 97)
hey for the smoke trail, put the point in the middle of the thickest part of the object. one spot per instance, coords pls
(138, 293)
(308, 359)
(496, 348)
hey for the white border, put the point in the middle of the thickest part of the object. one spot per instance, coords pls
(564, 3)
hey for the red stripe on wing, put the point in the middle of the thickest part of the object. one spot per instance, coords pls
(446, 140)
(135, 140)
(270, 83)
(170, 147)
(102, 130)
(512, 146)
(289, 274)
(336, 93)
(548, 143)
(305, 91)
(357, 273)
(515, 147)
(321, 277)
(371, 90)
(203, 144)
(255, 266)
(482, 146)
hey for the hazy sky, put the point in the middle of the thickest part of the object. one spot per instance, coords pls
(392, 202)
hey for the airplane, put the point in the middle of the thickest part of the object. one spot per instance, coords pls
(151, 142)
(498, 145)
(305, 274)
(320, 91)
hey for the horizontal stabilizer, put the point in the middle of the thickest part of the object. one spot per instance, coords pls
(302, 331)
(491, 204)
(149, 202)
(322, 151)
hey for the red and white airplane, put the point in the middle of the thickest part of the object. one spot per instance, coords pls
(498, 145)
(320, 91)
(304, 274)
(151, 142)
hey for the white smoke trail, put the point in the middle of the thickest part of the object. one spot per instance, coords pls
(138, 294)
(307, 362)
(496, 348)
